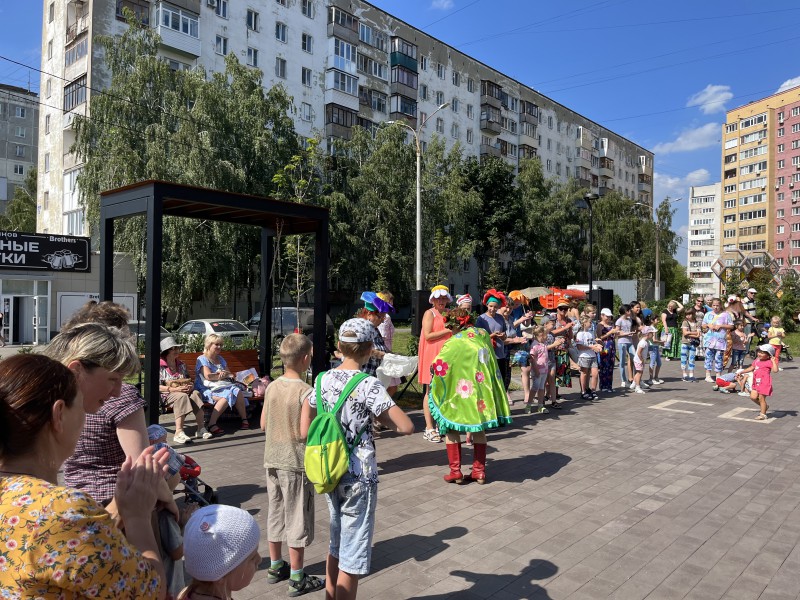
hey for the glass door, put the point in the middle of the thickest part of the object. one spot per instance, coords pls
(8, 318)
(40, 306)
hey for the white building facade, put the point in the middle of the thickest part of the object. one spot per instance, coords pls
(705, 231)
(19, 134)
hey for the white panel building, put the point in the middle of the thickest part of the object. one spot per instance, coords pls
(705, 232)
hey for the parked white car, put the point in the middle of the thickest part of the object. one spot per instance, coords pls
(227, 328)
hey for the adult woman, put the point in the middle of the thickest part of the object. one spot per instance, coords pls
(215, 383)
(180, 395)
(374, 311)
(434, 335)
(716, 325)
(669, 321)
(690, 341)
(624, 326)
(563, 332)
(495, 324)
(386, 329)
(466, 395)
(520, 316)
(606, 333)
(59, 542)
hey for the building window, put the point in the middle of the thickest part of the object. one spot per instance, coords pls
(306, 77)
(252, 57)
(404, 76)
(469, 136)
(76, 52)
(307, 43)
(781, 163)
(344, 55)
(19, 151)
(51, 12)
(19, 170)
(549, 165)
(440, 71)
(345, 83)
(47, 123)
(280, 67)
(439, 125)
(46, 200)
(75, 93)
(456, 78)
(280, 31)
(221, 46)
(47, 162)
(252, 20)
(73, 222)
(439, 98)
(454, 105)
(423, 118)
(470, 84)
(49, 87)
(20, 132)
(222, 9)
(305, 111)
(281, 2)
(423, 63)
(423, 91)
(378, 101)
(178, 20)
(454, 132)
(307, 8)
(20, 112)
(470, 111)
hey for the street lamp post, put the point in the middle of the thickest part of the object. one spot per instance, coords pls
(587, 200)
(419, 186)
(657, 227)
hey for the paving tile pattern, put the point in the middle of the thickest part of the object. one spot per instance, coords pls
(611, 499)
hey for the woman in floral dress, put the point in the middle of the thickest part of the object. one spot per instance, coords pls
(467, 393)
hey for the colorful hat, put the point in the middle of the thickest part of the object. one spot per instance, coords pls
(374, 303)
(440, 291)
(518, 296)
(494, 295)
(464, 299)
(563, 302)
(362, 330)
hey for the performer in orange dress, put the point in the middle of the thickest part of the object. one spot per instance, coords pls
(434, 335)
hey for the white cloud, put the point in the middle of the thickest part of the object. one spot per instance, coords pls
(789, 84)
(691, 139)
(711, 98)
(677, 187)
(442, 4)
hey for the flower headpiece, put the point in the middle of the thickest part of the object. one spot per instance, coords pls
(440, 291)
(459, 318)
(494, 295)
(518, 296)
(374, 303)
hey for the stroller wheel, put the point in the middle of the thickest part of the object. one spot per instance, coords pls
(752, 354)
(788, 355)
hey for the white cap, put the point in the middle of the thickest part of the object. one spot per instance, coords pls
(767, 348)
(607, 312)
(217, 539)
(752, 290)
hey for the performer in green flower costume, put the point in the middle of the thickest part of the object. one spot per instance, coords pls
(467, 393)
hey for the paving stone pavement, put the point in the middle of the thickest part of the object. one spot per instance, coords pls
(620, 498)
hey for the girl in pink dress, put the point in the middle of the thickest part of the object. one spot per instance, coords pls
(763, 367)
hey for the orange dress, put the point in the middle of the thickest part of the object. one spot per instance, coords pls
(429, 350)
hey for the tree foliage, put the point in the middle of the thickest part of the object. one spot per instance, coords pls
(21, 209)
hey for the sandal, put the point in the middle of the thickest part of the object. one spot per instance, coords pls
(309, 583)
(245, 424)
(556, 404)
(761, 417)
(216, 430)
(432, 436)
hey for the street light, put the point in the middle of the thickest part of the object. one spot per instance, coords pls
(657, 227)
(586, 202)
(791, 257)
(419, 186)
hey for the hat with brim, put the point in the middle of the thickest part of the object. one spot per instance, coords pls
(767, 348)
(374, 303)
(752, 290)
(607, 312)
(439, 291)
(356, 331)
(562, 303)
(168, 343)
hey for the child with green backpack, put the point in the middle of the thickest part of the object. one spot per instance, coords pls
(354, 399)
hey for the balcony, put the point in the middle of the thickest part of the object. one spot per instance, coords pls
(602, 190)
(584, 183)
(645, 183)
(490, 126)
(343, 33)
(77, 28)
(400, 116)
(179, 41)
(69, 117)
(70, 161)
(338, 131)
(403, 90)
(606, 167)
(403, 60)
(489, 150)
(526, 151)
(140, 9)
(526, 118)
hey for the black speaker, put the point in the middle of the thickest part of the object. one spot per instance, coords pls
(419, 304)
(602, 299)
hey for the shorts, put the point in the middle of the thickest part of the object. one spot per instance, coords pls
(637, 364)
(290, 497)
(521, 358)
(722, 383)
(352, 506)
(538, 382)
(585, 362)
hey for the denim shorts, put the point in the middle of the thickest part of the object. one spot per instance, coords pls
(521, 358)
(352, 506)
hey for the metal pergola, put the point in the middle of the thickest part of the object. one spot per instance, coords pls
(157, 199)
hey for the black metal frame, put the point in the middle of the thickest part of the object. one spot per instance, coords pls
(157, 199)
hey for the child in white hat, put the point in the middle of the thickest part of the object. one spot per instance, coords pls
(221, 552)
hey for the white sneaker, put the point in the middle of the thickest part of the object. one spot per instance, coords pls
(639, 390)
(633, 385)
(658, 381)
(709, 379)
(780, 368)
(203, 433)
(646, 385)
(746, 394)
(181, 438)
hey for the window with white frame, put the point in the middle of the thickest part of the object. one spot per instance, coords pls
(252, 57)
(456, 78)
(454, 105)
(178, 20)
(281, 2)
(440, 70)
(19, 151)
(307, 8)
(252, 20)
(19, 170)
(344, 55)
(454, 131)
(47, 123)
(305, 77)
(470, 111)
(307, 43)
(305, 111)
(281, 31)
(439, 125)
(47, 162)
(345, 83)
(470, 135)
(755, 120)
(470, 84)
(20, 112)
(222, 9)
(439, 98)
(423, 91)
(423, 118)
(779, 229)
(423, 63)
(20, 132)
(779, 213)
(280, 67)
(796, 128)
(221, 45)
(378, 101)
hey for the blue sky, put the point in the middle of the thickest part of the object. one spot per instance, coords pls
(659, 73)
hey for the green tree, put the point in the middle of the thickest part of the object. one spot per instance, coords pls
(21, 209)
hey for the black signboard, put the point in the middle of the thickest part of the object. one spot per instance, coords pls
(44, 252)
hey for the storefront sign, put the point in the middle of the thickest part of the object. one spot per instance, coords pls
(44, 252)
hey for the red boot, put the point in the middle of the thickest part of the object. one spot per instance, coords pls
(478, 474)
(454, 458)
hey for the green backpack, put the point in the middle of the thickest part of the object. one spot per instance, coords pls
(327, 456)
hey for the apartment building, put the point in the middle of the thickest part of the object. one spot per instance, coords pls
(705, 220)
(19, 135)
(761, 180)
(345, 63)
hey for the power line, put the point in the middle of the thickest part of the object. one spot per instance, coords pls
(447, 16)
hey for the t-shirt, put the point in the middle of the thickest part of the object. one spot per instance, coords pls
(716, 340)
(691, 326)
(585, 338)
(60, 543)
(624, 327)
(495, 324)
(98, 455)
(738, 338)
(386, 329)
(643, 348)
(284, 447)
(773, 333)
(368, 400)
(538, 354)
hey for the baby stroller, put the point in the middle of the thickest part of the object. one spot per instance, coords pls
(190, 477)
(762, 335)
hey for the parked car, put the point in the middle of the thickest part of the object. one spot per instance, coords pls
(138, 329)
(227, 328)
(284, 321)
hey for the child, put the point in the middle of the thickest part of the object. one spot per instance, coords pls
(587, 356)
(221, 552)
(689, 344)
(655, 354)
(552, 345)
(642, 352)
(776, 333)
(352, 504)
(290, 496)
(739, 340)
(765, 364)
(539, 370)
(726, 383)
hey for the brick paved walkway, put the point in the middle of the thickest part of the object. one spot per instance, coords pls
(616, 499)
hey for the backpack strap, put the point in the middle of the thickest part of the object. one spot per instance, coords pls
(348, 388)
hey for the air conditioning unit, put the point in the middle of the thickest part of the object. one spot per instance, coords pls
(212, 3)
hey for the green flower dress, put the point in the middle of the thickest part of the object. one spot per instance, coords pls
(467, 392)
